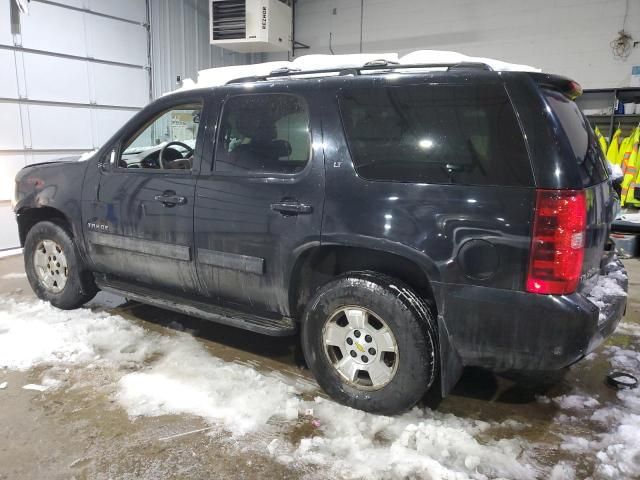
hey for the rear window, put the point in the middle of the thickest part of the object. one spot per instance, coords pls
(451, 134)
(584, 146)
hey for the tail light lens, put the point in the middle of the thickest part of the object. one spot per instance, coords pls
(557, 246)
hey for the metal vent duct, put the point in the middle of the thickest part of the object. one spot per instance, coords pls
(229, 19)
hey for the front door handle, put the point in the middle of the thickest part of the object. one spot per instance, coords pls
(170, 199)
(291, 208)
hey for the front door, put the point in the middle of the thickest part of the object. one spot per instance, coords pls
(141, 227)
(259, 205)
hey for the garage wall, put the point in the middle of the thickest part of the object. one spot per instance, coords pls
(569, 37)
(71, 72)
(180, 43)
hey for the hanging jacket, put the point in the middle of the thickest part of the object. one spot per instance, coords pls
(614, 146)
(629, 168)
(623, 148)
(601, 140)
(633, 160)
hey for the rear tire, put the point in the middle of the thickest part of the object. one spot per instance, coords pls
(54, 267)
(371, 342)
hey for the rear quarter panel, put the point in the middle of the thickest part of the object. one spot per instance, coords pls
(427, 223)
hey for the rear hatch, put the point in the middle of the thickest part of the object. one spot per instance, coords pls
(585, 161)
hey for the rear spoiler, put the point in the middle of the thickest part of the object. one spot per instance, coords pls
(566, 86)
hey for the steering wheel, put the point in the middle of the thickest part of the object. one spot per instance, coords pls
(180, 144)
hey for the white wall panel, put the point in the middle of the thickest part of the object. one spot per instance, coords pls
(109, 121)
(116, 41)
(54, 29)
(5, 25)
(180, 40)
(8, 79)
(72, 3)
(122, 86)
(11, 127)
(9, 231)
(569, 37)
(60, 127)
(11, 164)
(135, 10)
(56, 79)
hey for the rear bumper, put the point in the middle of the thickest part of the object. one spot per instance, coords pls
(511, 330)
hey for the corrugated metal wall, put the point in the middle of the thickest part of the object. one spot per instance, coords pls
(180, 43)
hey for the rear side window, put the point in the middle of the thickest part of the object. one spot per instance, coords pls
(584, 145)
(263, 133)
(455, 134)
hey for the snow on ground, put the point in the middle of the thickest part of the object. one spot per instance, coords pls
(617, 448)
(174, 374)
(13, 276)
(10, 252)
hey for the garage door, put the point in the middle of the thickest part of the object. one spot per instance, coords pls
(71, 73)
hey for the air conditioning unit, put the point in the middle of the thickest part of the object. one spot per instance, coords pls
(250, 26)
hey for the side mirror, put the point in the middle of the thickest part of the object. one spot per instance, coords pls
(108, 162)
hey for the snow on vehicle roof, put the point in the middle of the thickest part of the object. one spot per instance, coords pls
(214, 77)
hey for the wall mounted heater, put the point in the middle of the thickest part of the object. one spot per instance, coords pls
(250, 26)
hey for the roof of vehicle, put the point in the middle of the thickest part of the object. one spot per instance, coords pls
(373, 72)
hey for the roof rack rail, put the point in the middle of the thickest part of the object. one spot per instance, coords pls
(367, 67)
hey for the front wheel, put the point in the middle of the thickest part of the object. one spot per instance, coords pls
(54, 268)
(371, 342)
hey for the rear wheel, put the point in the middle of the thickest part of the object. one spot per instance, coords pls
(54, 268)
(370, 342)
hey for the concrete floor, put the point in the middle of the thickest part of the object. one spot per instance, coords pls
(78, 432)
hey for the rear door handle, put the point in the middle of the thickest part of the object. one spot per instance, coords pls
(170, 199)
(291, 208)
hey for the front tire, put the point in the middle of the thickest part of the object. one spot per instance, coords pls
(54, 267)
(371, 342)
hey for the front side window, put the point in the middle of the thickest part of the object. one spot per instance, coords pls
(263, 133)
(459, 134)
(167, 142)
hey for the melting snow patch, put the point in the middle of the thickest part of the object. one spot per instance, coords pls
(33, 386)
(567, 402)
(3, 385)
(617, 450)
(184, 378)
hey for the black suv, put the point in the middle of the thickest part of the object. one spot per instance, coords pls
(409, 221)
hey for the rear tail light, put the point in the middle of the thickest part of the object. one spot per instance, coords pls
(557, 246)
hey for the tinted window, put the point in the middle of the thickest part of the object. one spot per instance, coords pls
(435, 134)
(166, 142)
(584, 145)
(263, 134)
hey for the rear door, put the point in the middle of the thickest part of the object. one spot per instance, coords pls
(259, 201)
(140, 226)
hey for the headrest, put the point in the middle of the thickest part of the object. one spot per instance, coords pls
(281, 148)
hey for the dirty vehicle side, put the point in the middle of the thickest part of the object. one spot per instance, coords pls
(407, 224)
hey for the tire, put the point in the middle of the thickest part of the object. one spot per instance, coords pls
(51, 243)
(379, 304)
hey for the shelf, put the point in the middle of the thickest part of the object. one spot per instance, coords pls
(601, 98)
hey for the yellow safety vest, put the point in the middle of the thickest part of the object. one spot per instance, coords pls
(633, 160)
(601, 140)
(623, 148)
(612, 153)
(629, 169)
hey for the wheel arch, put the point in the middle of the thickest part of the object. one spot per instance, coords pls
(319, 264)
(28, 217)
